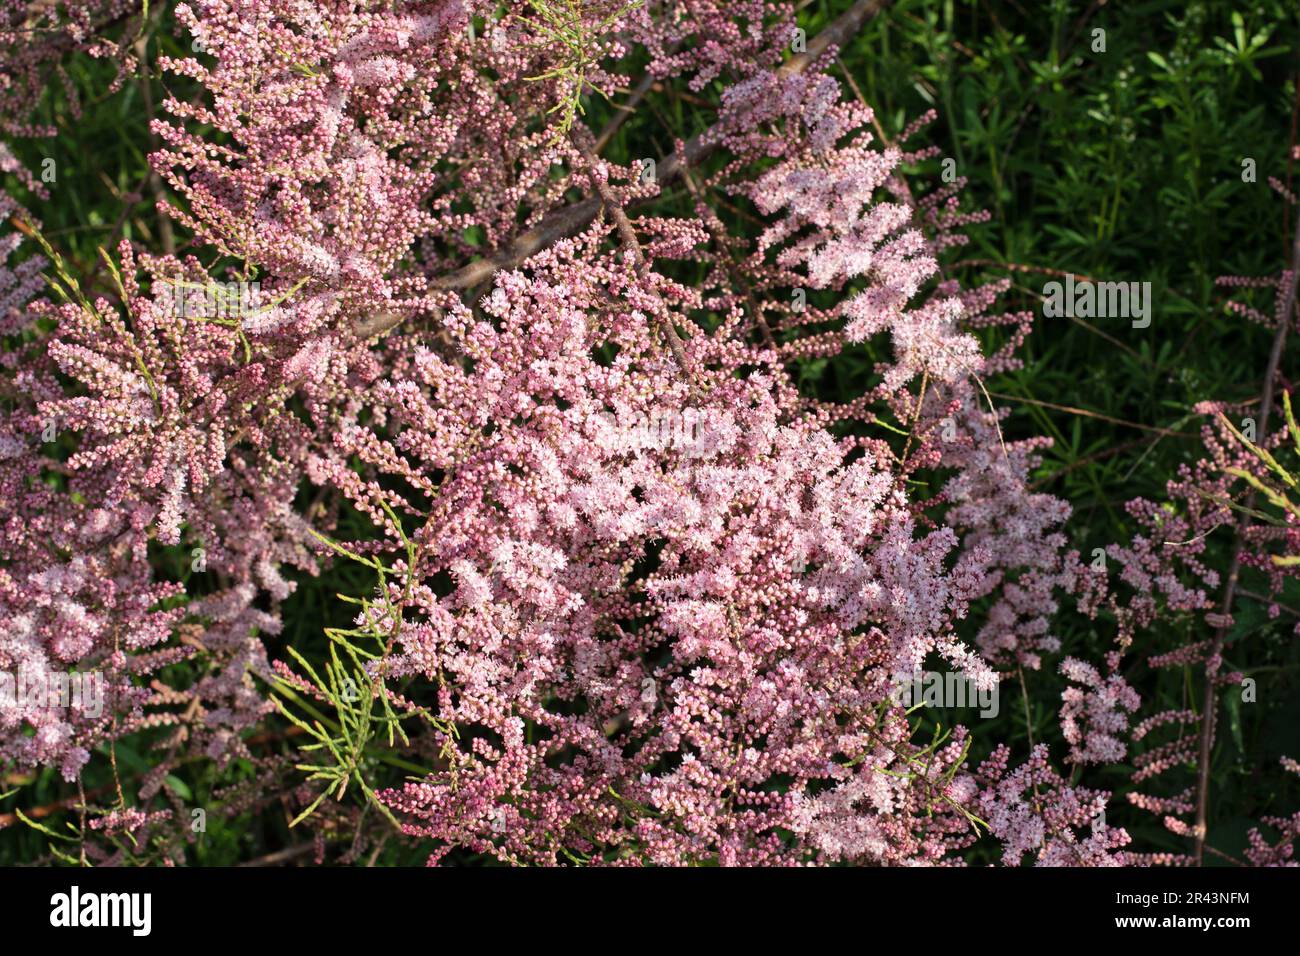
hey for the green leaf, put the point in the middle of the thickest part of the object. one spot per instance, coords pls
(178, 787)
(42, 827)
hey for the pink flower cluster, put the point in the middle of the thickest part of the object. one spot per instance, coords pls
(617, 651)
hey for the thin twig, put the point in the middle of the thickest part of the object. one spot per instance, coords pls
(1086, 413)
(282, 856)
(631, 245)
(1210, 700)
(572, 219)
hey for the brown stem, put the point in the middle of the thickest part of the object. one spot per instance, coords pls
(1086, 413)
(631, 245)
(1020, 267)
(572, 219)
(1087, 460)
(1210, 700)
(282, 856)
(625, 110)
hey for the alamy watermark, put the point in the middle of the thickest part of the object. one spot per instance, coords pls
(694, 433)
(944, 689)
(215, 300)
(40, 689)
(1101, 300)
(76, 909)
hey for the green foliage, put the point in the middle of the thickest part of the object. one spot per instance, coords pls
(1123, 165)
(565, 24)
(354, 687)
